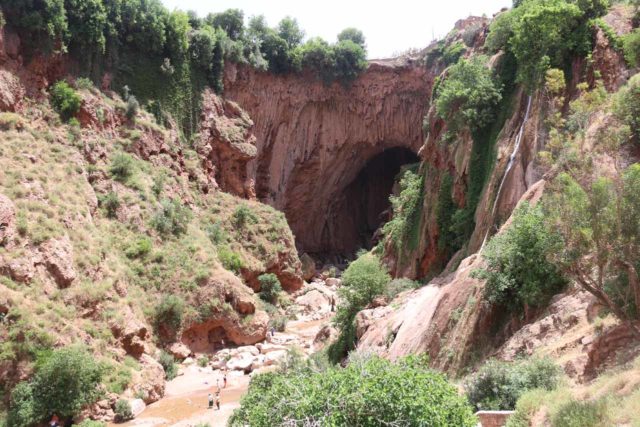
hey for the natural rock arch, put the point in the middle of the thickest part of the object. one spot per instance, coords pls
(313, 140)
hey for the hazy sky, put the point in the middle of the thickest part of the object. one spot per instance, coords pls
(391, 26)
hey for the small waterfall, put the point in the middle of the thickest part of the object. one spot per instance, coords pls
(512, 159)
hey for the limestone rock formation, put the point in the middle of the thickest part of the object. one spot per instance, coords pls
(227, 145)
(314, 140)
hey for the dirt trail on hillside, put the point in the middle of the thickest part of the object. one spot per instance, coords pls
(185, 400)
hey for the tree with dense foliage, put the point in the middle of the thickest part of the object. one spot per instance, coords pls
(350, 60)
(498, 385)
(290, 32)
(368, 392)
(469, 95)
(231, 21)
(626, 106)
(270, 287)
(65, 382)
(518, 271)
(354, 35)
(168, 316)
(599, 221)
(65, 100)
(403, 228)
(364, 279)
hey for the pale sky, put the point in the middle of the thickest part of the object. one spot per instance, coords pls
(390, 26)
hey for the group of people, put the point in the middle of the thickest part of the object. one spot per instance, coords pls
(216, 400)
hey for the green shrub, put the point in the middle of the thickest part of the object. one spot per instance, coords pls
(169, 365)
(582, 414)
(216, 233)
(66, 380)
(362, 281)
(518, 270)
(139, 248)
(203, 361)
(83, 83)
(110, 203)
(631, 47)
(117, 378)
(350, 60)
(122, 167)
(123, 410)
(270, 287)
(469, 95)
(499, 385)
(244, 215)
(91, 423)
(171, 218)
(168, 315)
(230, 260)
(453, 52)
(403, 228)
(372, 391)
(626, 106)
(133, 106)
(278, 322)
(65, 100)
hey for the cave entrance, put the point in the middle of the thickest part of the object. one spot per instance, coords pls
(364, 205)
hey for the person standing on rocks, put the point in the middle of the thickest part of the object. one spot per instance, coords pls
(218, 400)
(210, 401)
(224, 379)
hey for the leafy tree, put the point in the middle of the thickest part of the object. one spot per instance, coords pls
(362, 281)
(599, 222)
(350, 60)
(626, 106)
(368, 392)
(168, 363)
(499, 385)
(277, 53)
(87, 25)
(123, 410)
(270, 287)
(354, 35)
(631, 47)
(518, 270)
(318, 56)
(65, 100)
(217, 66)
(167, 319)
(65, 382)
(289, 31)
(231, 21)
(43, 21)
(142, 23)
(177, 35)
(469, 95)
(402, 229)
(171, 218)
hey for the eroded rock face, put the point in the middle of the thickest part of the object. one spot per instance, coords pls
(227, 144)
(7, 221)
(57, 256)
(313, 140)
(131, 333)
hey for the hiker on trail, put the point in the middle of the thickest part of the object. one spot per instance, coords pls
(333, 303)
(218, 400)
(224, 379)
(210, 401)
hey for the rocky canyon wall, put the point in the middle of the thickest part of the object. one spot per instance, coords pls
(313, 141)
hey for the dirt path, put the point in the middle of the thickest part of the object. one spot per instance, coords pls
(185, 400)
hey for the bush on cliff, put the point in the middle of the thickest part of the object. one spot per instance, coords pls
(403, 228)
(65, 100)
(270, 287)
(369, 391)
(469, 95)
(65, 382)
(518, 268)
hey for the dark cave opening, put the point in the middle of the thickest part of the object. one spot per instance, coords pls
(364, 205)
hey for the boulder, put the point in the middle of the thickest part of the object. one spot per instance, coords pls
(240, 363)
(333, 282)
(137, 406)
(314, 301)
(252, 350)
(274, 357)
(151, 383)
(179, 351)
(308, 267)
(58, 258)
(266, 348)
(130, 332)
(325, 336)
